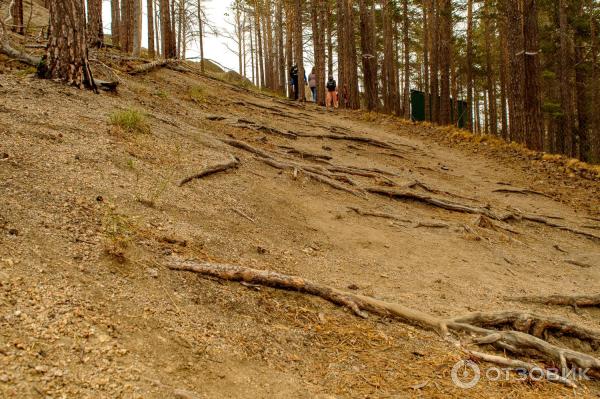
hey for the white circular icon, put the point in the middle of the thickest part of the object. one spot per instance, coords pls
(465, 374)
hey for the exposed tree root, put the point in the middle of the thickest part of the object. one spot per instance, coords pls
(438, 202)
(233, 163)
(306, 154)
(7, 49)
(376, 214)
(539, 219)
(562, 300)
(520, 365)
(514, 190)
(517, 342)
(359, 139)
(479, 210)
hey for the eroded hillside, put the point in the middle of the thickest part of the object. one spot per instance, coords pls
(91, 214)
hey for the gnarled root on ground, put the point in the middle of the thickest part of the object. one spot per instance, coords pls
(526, 338)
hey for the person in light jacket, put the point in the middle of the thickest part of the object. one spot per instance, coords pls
(312, 83)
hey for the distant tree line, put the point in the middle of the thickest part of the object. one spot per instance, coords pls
(527, 69)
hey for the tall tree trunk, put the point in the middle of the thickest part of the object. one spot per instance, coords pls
(516, 70)
(115, 22)
(201, 34)
(318, 30)
(259, 43)
(426, 46)
(150, 11)
(434, 46)
(289, 43)
(350, 57)
(533, 99)
(341, 51)
(125, 30)
(95, 32)
(166, 30)
(298, 44)
(503, 77)
(67, 52)
(445, 59)
(280, 49)
(329, 22)
(17, 17)
(490, 73)
(567, 128)
(388, 78)
(469, 66)
(252, 63)
(369, 53)
(595, 87)
(406, 49)
(157, 28)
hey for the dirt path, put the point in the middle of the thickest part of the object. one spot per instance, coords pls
(89, 215)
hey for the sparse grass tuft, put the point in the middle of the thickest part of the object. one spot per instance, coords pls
(118, 235)
(130, 120)
(161, 94)
(197, 94)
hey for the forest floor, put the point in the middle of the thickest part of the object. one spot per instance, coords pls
(91, 214)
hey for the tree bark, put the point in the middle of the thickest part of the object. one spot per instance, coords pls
(298, 44)
(350, 57)
(369, 53)
(490, 73)
(150, 11)
(406, 50)
(115, 22)
(67, 52)
(445, 57)
(516, 70)
(434, 60)
(426, 50)
(469, 66)
(95, 32)
(533, 100)
(166, 30)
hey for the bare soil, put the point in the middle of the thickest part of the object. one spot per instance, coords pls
(90, 214)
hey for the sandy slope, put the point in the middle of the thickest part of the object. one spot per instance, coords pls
(79, 321)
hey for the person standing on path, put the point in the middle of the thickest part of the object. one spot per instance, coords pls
(331, 98)
(294, 78)
(312, 83)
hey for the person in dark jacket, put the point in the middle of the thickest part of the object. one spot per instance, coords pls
(331, 98)
(294, 78)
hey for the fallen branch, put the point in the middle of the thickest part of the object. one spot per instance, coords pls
(233, 163)
(517, 342)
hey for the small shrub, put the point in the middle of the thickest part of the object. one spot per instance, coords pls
(130, 120)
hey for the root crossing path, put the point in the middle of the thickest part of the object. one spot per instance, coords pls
(317, 254)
